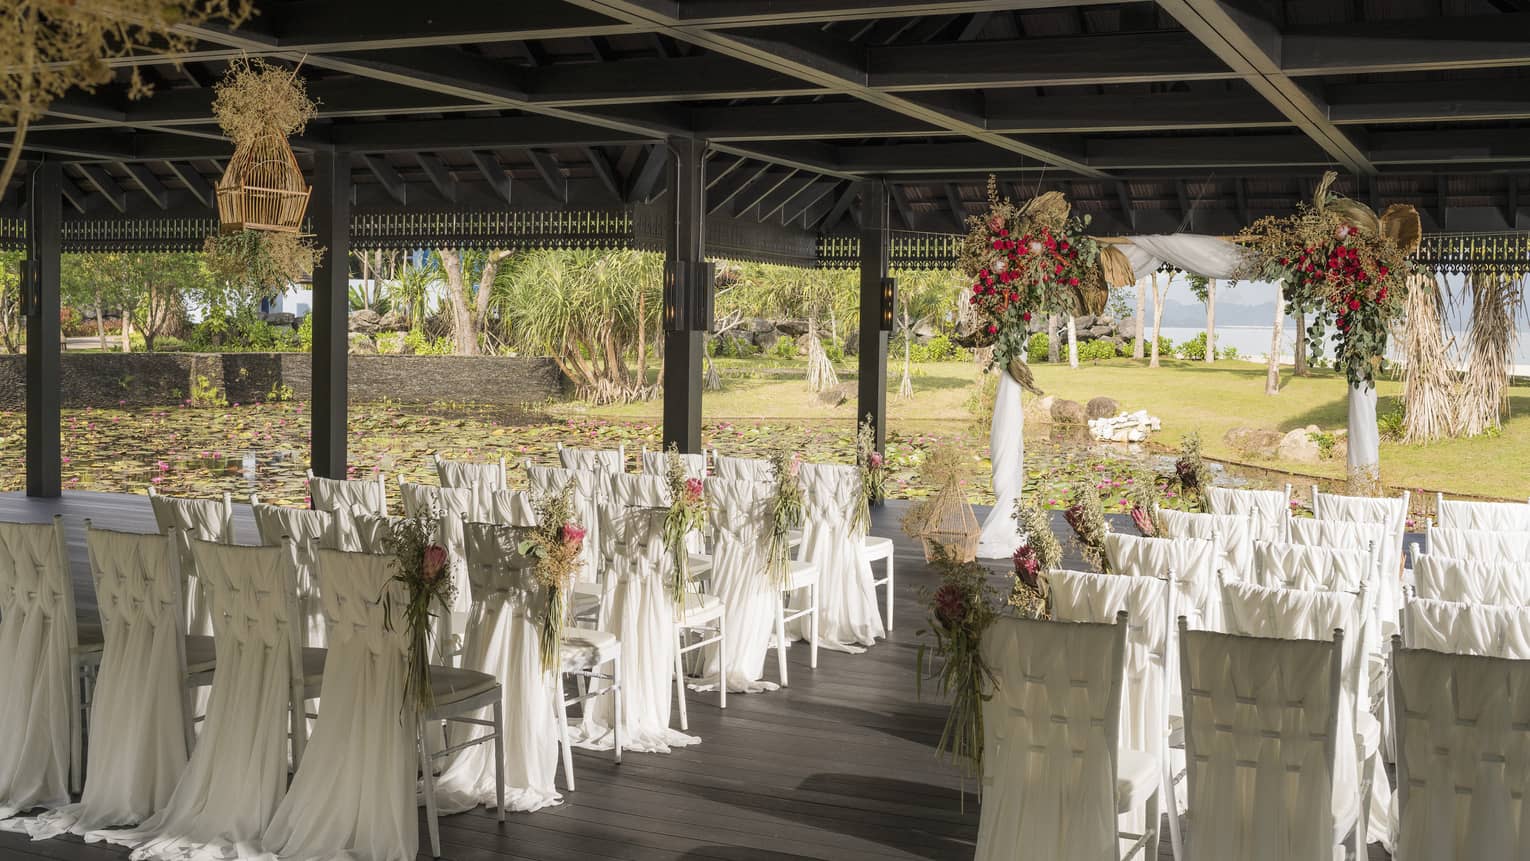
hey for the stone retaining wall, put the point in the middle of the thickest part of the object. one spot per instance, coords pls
(156, 379)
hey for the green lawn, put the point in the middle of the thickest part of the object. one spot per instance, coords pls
(1187, 396)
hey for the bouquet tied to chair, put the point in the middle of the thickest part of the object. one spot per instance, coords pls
(555, 543)
(423, 568)
(687, 515)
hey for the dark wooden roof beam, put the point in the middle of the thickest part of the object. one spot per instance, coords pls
(772, 204)
(439, 175)
(387, 176)
(841, 206)
(810, 198)
(473, 133)
(493, 173)
(1427, 101)
(730, 188)
(97, 177)
(645, 183)
(1408, 45)
(192, 180)
(148, 183)
(604, 170)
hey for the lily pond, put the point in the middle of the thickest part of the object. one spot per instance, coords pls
(262, 448)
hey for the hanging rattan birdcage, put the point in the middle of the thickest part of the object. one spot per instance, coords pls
(263, 188)
(947, 525)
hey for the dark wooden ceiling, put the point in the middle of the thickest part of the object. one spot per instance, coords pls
(1151, 115)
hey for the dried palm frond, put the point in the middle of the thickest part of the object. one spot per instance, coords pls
(1021, 372)
(1117, 269)
(1429, 409)
(1048, 206)
(1484, 390)
(1400, 224)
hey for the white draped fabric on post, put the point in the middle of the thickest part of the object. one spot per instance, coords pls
(40, 700)
(642, 617)
(503, 640)
(848, 617)
(1006, 446)
(137, 753)
(1364, 457)
(738, 512)
(354, 795)
(252, 595)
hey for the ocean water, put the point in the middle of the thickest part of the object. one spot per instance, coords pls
(1254, 342)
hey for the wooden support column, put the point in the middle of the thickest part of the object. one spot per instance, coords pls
(331, 212)
(685, 244)
(872, 398)
(44, 388)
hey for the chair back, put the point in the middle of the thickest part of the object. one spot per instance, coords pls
(37, 638)
(501, 576)
(611, 460)
(1273, 507)
(1467, 629)
(742, 468)
(1050, 739)
(1261, 736)
(1479, 544)
(469, 474)
(589, 489)
(1234, 535)
(1495, 516)
(1390, 512)
(188, 520)
(738, 512)
(513, 508)
(253, 594)
(354, 586)
(632, 524)
(1079, 596)
(1191, 563)
(369, 495)
(831, 493)
(352, 531)
(1463, 755)
(1469, 581)
(657, 463)
(1304, 566)
(306, 528)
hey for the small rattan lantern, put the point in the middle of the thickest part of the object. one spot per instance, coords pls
(945, 525)
(263, 188)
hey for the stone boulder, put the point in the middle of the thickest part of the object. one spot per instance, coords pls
(794, 328)
(1299, 446)
(279, 318)
(1065, 412)
(760, 325)
(1255, 442)
(1040, 409)
(365, 322)
(1082, 322)
(1101, 408)
(766, 341)
(394, 321)
(362, 345)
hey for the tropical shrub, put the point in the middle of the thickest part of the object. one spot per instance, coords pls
(1096, 350)
(1036, 348)
(1193, 349)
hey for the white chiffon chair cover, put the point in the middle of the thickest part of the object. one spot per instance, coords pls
(451, 507)
(1260, 718)
(354, 531)
(1471, 581)
(738, 512)
(482, 480)
(1287, 565)
(589, 490)
(643, 619)
(1292, 614)
(1049, 777)
(1463, 761)
(1480, 544)
(512, 508)
(237, 773)
(306, 528)
(1496, 516)
(1351, 535)
(1272, 507)
(1467, 629)
(41, 700)
(353, 797)
(503, 640)
(138, 741)
(657, 463)
(743, 468)
(609, 460)
(848, 616)
(1234, 534)
(1393, 512)
(199, 520)
(369, 495)
(1079, 596)
(1192, 561)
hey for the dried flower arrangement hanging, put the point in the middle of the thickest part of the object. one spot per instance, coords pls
(943, 522)
(1028, 259)
(960, 610)
(555, 542)
(1040, 554)
(1350, 267)
(687, 515)
(1191, 469)
(259, 105)
(1087, 517)
(872, 466)
(424, 569)
(259, 264)
(1144, 496)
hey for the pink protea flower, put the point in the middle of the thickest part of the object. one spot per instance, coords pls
(950, 605)
(573, 533)
(875, 460)
(434, 563)
(693, 488)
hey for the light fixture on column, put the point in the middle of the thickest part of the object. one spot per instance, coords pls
(889, 303)
(688, 296)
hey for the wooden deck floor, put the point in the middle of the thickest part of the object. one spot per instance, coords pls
(839, 766)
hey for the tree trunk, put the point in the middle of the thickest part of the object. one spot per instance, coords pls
(1138, 348)
(906, 385)
(1299, 363)
(1053, 354)
(461, 304)
(100, 323)
(1211, 321)
(1072, 343)
(1158, 297)
(1272, 366)
(127, 331)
